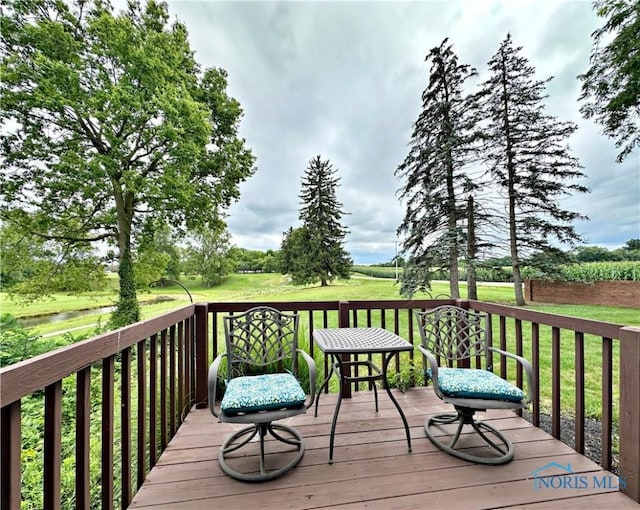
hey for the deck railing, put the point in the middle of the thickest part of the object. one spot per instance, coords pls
(151, 373)
(144, 400)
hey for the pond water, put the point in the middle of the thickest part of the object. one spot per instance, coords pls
(29, 322)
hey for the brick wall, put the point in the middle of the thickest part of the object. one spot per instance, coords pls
(614, 293)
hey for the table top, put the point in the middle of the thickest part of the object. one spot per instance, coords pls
(359, 340)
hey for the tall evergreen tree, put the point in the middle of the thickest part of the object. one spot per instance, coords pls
(440, 146)
(321, 212)
(528, 156)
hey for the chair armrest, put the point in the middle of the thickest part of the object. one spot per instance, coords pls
(527, 368)
(213, 383)
(433, 365)
(312, 376)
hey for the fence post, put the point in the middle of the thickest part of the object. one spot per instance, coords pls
(343, 322)
(202, 357)
(630, 411)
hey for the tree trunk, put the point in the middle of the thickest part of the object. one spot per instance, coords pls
(454, 275)
(472, 281)
(513, 241)
(127, 311)
(511, 176)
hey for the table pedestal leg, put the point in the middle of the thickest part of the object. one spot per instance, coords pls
(337, 410)
(387, 359)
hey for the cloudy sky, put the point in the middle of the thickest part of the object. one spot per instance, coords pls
(344, 79)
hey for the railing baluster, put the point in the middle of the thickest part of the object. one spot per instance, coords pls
(535, 362)
(181, 372)
(201, 365)
(555, 382)
(172, 381)
(163, 389)
(503, 345)
(10, 442)
(490, 340)
(52, 444)
(607, 401)
(141, 355)
(189, 363)
(579, 370)
(518, 326)
(107, 432)
(125, 427)
(214, 335)
(310, 339)
(83, 431)
(153, 404)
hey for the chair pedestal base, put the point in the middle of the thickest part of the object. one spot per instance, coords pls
(503, 449)
(261, 429)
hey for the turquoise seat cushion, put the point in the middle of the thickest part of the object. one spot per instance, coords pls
(262, 393)
(473, 383)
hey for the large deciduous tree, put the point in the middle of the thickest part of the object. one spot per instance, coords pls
(315, 252)
(107, 121)
(611, 86)
(530, 160)
(435, 181)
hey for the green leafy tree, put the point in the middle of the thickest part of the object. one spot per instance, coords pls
(320, 214)
(108, 122)
(208, 257)
(434, 172)
(611, 86)
(594, 254)
(527, 153)
(271, 262)
(632, 244)
(295, 259)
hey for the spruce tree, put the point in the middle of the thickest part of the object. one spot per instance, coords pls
(321, 212)
(433, 171)
(527, 153)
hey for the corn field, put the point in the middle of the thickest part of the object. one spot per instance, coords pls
(594, 271)
(584, 272)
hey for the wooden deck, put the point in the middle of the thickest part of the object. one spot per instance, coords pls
(372, 468)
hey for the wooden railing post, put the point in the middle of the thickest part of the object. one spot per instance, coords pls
(630, 412)
(202, 358)
(10, 443)
(343, 322)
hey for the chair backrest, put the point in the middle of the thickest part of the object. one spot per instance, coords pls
(454, 335)
(261, 340)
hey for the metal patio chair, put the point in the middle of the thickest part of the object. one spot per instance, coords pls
(261, 387)
(454, 340)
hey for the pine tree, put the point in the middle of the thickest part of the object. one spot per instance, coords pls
(440, 147)
(528, 156)
(324, 255)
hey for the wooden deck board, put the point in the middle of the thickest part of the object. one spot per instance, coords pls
(372, 468)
